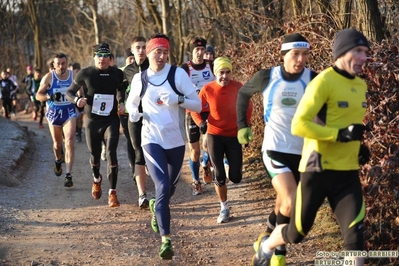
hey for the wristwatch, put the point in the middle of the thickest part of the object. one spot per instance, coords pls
(180, 99)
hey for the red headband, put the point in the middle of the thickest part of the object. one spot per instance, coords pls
(157, 43)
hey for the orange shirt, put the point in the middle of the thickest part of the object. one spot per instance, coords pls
(221, 101)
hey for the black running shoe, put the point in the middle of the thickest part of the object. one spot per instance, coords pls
(68, 180)
(58, 168)
(78, 137)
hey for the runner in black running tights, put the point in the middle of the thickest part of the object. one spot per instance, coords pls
(103, 101)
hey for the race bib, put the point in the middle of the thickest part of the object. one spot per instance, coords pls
(60, 99)
(103, 104)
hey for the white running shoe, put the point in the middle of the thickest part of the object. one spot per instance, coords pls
(224, 216)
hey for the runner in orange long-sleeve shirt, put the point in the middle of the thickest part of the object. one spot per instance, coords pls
(221, 127)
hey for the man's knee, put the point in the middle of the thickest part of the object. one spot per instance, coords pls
(194, 152)
(291, 235)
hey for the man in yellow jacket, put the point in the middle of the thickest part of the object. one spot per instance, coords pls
(329, 118)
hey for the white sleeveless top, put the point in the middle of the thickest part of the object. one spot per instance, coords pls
(280, 101)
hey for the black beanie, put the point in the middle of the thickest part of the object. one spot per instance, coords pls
(294, 40)
(209, 49)
(101, 48)
(128, 52)
(197, 41)
(346, 40)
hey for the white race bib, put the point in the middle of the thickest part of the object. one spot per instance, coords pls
(62, 99)
(102, 104)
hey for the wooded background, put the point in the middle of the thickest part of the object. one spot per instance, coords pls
(249, 33)
(32, 31)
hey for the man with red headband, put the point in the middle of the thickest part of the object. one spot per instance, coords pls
(162, 136)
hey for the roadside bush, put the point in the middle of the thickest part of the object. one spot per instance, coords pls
(380, 177)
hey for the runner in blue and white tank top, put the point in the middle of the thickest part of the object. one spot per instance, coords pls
(59, 109)
(282, 88)
(61, 114)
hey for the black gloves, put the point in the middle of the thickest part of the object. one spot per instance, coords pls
(352, 132)
(56, 96)
(203, 127)
(364, 154)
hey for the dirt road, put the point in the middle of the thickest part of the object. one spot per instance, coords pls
(44, 223)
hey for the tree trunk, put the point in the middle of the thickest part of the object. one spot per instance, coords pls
(36, 34)
(372, 24)
(347, 16)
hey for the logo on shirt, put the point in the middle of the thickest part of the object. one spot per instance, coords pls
(206, 75)
(159, 101)
(343, 104)
(288, 101)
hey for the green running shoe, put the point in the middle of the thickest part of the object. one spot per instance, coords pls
(154, 223)
(166, 252)
(277, 260)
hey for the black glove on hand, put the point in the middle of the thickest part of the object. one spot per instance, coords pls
(364, 154)
(203, 127)
(57, 96)
(352, 132)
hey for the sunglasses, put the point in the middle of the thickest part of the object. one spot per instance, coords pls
(105, 55)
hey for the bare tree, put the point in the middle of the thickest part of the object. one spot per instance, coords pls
(371, 22)
(32, 16)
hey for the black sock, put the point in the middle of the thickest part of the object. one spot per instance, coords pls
(271, 222)
(281, 219)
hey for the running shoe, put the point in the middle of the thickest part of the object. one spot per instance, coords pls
(41, 126)
(68, 180)
(207, 175)
(197, 188)
(154, 223)
(96, 191)
(258, 241)
(277, 260)
(57, 168)
(143, 201)
(166, 252)
(78, 137)
(260, 258)
(113, 199)
(224, 216)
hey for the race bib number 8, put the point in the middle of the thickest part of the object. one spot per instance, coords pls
(102, 104)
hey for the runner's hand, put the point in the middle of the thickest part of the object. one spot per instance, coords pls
(135, 116)
(203, 127)
(364, 154)
(244, 135)
(351, 133)
(169, 98)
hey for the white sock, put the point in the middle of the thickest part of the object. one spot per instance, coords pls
(224, 205)
(97, 180)
(268, 252)
(110, 190)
